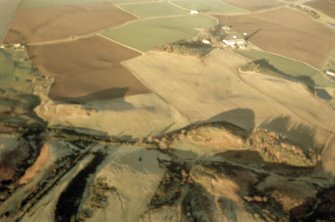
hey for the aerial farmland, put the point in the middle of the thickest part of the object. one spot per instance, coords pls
(176, 110)
(275, 29)
(8, 8)
(327, 7)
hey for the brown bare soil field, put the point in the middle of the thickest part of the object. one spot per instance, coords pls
(287, 32)
(325, 6)
(51, 23)
(87, 69)
(254, 5)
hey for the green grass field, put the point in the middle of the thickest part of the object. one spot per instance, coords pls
(145, 35)
(6, 64)
(214, 6)
(15, 69)
(298, 70)
(47, 3)
(130, 1)
(290, 67)
(152, 9)
(16, 76)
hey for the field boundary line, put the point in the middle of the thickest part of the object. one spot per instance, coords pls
(119, 43)
(296, 60)
(64, 40)
(146, 19)
(134, 3)
(287, 57)
(126, 11)
(178, 6)
(217, 13)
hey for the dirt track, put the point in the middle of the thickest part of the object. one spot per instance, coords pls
(43, 24)
(287, 32)
(94, 72)
(325, 6)
(254, 5)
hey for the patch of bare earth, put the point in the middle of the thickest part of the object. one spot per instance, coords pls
(325, 6)
(51, 23)
(287, 32)
(254, 5)
(94, 72)
(39, 164)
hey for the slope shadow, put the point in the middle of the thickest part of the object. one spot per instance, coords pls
(103, 98)
(299, 133)
(245, 167)
(253, 158)
(323, 94)
(244, 118)
(268, 67)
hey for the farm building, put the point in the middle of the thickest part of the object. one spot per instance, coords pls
(226, 27)
(330, 73)
(206, 41)
(194, 12)
(235, 42)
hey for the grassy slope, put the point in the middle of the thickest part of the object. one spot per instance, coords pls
(6, 64)
(151, 9)
(16, 99)
(145, 35)
(46, 3)
(130, 1)
(289, 66)
(209, 6)
(15, 70)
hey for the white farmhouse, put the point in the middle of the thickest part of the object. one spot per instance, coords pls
(17, 45)
(226, 27)
(205, 41)
(194, 12)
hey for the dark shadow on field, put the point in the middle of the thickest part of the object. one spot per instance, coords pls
(98, 95)
(166, 129)
(244, 167)
(252, 34)
(109, 99)
(323, 94)
(19, 108)
(254, 159)
(244, 118)
(267, 68)
(299, 133)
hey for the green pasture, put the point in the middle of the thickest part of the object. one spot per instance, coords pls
(15, 69)
(290, 67)
(146, 34)
(152, 9)
(6, 65)
(47, 3)
(214, 6)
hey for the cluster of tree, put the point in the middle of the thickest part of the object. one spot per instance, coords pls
(194, 48)
(310, 12)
